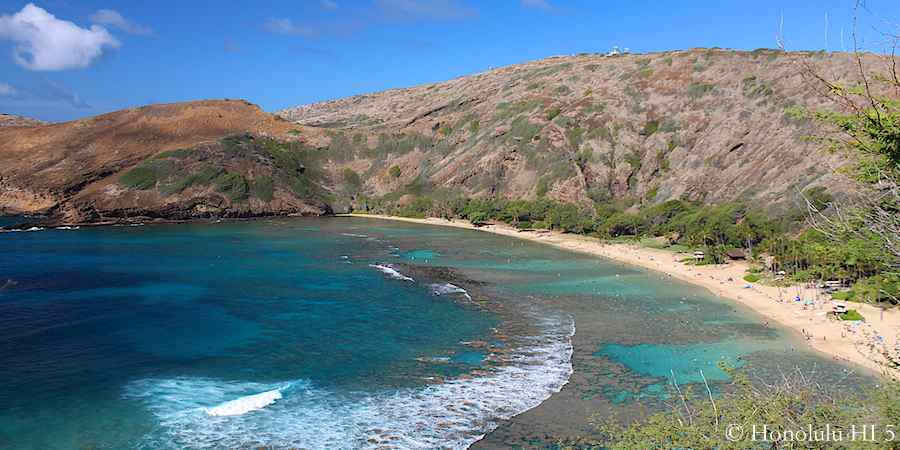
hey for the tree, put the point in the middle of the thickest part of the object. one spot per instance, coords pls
(789, 408)
(865, 117)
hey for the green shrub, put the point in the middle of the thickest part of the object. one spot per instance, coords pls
(552, 113)
(239, 145)
(635, 160)
(473, 126)
(264, 188)
(140, 178)
(147, 175)
(202, 177)
(523, 129)
(697, 90)
(351, 179)
(394, 172)
(575, 135)
(650, 127)
(851, 314)
(206, 174)
(399, 144)
(304, 187)
(340, 148)
(175, 187)
(668, 126)
(751, 278)
(543, 185)
(842, 295)
(233, 185)
(418, 208)
(180, 153)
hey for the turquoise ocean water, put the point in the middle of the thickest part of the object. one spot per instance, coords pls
(334, 333)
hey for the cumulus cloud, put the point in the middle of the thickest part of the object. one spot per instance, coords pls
(6, 90)
(328, 4)
(43, 42)
(537, 4)
(287, 26)
(114, 19)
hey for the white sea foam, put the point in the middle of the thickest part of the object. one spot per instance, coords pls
(68, 228)
(17, 230)
(447, 288)
(391, 272)
(354, 235)
(243, 405)
(454, 414)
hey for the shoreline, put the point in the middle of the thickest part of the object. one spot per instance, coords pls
(861, 344)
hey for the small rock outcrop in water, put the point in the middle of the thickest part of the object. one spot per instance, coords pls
(706, 125)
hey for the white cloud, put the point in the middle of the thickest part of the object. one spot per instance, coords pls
(114, 19)
(537, 4)
(6, 90)
(286, 26)
(43, 42)
(329, 4)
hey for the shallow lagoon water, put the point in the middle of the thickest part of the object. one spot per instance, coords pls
(131, 336)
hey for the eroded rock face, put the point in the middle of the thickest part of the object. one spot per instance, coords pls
(180, 168)
(705, 125)
(702, 125)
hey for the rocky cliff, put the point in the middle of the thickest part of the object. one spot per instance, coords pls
(160, 161)
(707, 125)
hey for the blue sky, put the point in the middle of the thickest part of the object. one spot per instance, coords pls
(64, 59)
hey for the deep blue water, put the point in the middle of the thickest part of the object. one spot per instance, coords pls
(143, 337)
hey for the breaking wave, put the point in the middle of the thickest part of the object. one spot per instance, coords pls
(454, 414)
(391, 272)
(447, 288)
(245, 404)
(16, 230)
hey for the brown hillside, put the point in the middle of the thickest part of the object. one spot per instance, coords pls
(707, 125)
(9, 120)
(703, 125)
(44, 167)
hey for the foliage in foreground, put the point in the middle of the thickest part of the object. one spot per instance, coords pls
(795, 413)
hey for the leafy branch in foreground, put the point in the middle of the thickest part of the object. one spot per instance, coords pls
(866, 121)
(793, 413)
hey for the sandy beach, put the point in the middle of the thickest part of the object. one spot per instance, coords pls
(862, 343)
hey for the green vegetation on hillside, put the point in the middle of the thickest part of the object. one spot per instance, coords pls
(293, 165)
(147, 174)
(856, 240)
